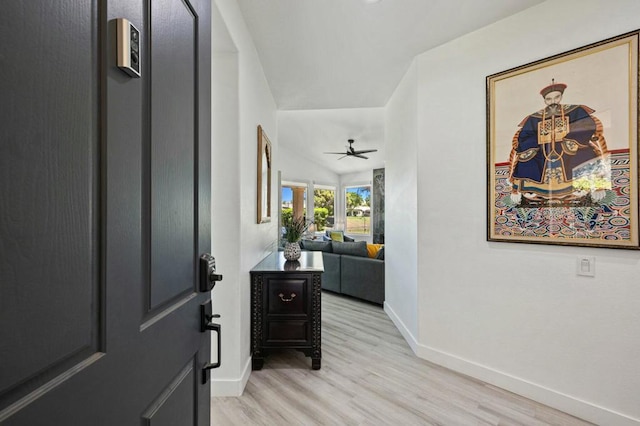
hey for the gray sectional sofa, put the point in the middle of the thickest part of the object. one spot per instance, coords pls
(349, 270)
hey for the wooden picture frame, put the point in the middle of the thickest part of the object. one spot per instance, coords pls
(562, 148)
(264, 177)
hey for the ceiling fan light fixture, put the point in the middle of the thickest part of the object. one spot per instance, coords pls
(351, 152)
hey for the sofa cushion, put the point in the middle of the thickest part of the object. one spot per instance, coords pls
(380, 254)
(324, 246)
(356, 248)
(338, 235)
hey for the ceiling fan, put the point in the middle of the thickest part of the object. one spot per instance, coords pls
(352, 152)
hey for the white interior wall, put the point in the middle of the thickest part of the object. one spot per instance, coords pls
(514, 315)
(298, 169)
(225, 191)
(364, 177)
(241, 101)
(401, 216)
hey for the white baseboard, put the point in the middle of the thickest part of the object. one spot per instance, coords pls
(567, 403)
(232, 387)
(410, 338)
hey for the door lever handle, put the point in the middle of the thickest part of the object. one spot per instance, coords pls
(211, 365)
(206, 325)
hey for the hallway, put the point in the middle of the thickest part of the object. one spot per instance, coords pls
(370, 376)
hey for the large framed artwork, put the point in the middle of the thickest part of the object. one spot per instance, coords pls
(562, 148)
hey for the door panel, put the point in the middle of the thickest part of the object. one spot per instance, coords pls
(104, 182)
(172, 78)
(49, 141)
(175, 405)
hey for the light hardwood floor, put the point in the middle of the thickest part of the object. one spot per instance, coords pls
(370, 376)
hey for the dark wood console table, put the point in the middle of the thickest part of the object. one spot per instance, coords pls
(285, 306)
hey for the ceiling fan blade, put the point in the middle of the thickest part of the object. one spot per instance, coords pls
(352, 152)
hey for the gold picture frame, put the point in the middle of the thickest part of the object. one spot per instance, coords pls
(562, 148)
(264, 177)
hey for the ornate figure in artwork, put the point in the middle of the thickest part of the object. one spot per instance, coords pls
(559, 155)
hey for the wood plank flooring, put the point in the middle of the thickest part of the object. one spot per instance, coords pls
(370, 376)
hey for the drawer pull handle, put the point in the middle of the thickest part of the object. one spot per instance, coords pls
(293, 295)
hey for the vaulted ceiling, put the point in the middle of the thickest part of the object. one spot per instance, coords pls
(344, 54)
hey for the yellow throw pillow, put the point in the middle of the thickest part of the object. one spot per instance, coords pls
(372, 249)
(337, 236)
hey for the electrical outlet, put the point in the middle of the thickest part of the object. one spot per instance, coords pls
(587, 266)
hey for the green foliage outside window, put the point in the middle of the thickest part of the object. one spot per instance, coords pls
(324, 198)
(319, 217)
(287, 214)
(324, 202)
(354, 200)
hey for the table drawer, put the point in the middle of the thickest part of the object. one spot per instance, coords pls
(289, 331)
(287, 296)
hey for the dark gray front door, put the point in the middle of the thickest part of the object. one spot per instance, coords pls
(104, 212)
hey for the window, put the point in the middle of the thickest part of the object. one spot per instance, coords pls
(323, 207)
(358, 210)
